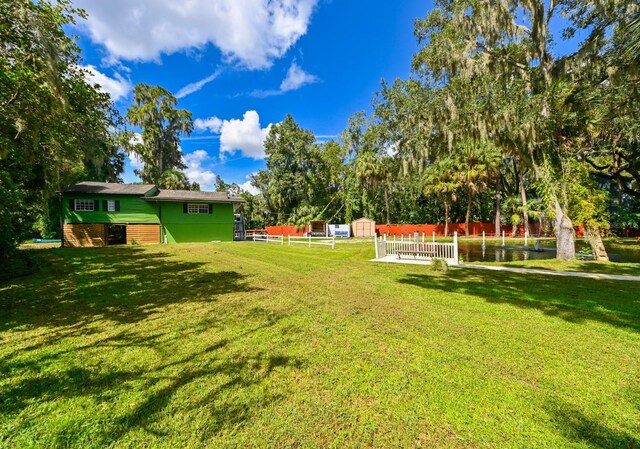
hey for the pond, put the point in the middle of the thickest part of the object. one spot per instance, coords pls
(475, 252)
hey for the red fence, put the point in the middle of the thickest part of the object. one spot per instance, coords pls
(428, 229)
(285, 230)
(474, 229)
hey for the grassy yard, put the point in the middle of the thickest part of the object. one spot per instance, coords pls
(256, 345)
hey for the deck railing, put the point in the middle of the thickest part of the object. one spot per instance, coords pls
(418, 250)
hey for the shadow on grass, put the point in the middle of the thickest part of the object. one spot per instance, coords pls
(575, 425)
(571, 299)
(91, 306)
(584, 267)
(122, 284)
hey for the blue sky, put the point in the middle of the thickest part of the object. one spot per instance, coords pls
(240, 65)
(324, 66)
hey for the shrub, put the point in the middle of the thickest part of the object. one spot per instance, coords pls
(439, 265)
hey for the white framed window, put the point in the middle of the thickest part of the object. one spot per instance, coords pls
(196, 208)
(83, 205)
(111, 205)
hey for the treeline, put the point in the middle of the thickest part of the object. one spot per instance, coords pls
(491, 126)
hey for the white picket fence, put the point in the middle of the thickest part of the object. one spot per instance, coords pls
(309, 241)
(269, 238)
(294, 240)
(435, 250)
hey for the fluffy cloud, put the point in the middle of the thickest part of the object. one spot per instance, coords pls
(195, 87)
(196, 173)
(248, 187)
(244, 135)
(118, 87)
(295, 79)
(252, 32)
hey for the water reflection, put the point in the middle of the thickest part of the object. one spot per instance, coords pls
(476, 252)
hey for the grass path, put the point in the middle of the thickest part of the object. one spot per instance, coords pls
(256, 345)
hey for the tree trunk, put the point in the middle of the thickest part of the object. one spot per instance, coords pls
(468, 215)
(597, 246)
(386, 204)
(525, 209)
(565, 235)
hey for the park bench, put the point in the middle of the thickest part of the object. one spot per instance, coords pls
(415, 252)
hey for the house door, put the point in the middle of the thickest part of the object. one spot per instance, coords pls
(116, 234)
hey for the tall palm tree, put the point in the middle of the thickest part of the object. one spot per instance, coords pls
(477, 162)
(443, 179)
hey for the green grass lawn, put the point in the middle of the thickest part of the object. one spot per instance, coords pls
(256, 345)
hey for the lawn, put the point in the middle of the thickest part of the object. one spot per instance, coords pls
(261, 345)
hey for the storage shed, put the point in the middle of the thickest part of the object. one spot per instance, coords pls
(363, 227)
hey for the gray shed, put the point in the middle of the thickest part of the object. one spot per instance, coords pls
(363, 227)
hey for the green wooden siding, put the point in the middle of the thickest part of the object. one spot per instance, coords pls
(133, 209)
(180, 227)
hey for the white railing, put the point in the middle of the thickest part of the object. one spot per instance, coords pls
(269, 238)
(418, 250)
(325, 241)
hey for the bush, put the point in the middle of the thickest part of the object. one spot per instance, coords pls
(439, 265)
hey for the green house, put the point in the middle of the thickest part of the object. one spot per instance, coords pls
(99, 214)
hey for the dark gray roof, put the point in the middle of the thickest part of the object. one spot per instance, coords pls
(192, 195)
(109, 188)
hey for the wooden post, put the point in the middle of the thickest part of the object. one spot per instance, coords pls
(433, 237)
(422, 236)
(402, 237)
(309, 240)
(526, 239)
(483, 243)
(455, 248)
(375, 242)
(282, 239)
(503, 239)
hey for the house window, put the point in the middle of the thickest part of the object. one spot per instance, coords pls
(111, 206)
(197, 208)
(83, 205)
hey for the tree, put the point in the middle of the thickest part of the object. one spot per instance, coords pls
(54, 127)
(174, 179)
(477, 162)
(443, 180)
(501, 51)
(153, 110)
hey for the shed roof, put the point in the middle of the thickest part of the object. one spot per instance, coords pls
(363, 219)
(192, 195)
(110, 188)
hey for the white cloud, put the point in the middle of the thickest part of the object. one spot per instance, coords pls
(196, 173)
(252, 32)
(248, 187)
(295, 79)
(195, 87)
(213, 124)
(244, 135)
(135, 161)
(117, 87)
